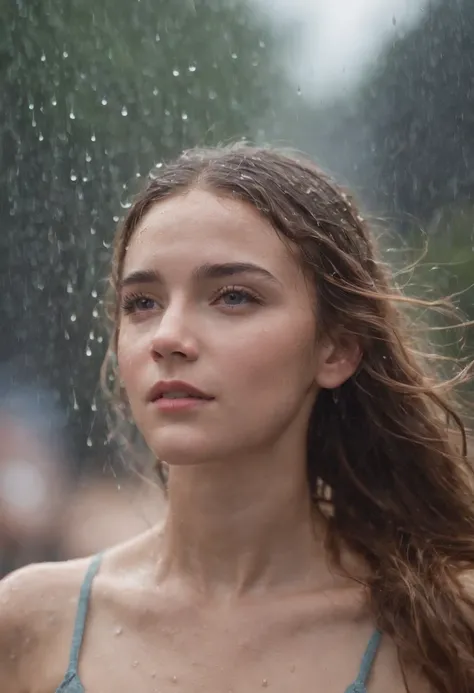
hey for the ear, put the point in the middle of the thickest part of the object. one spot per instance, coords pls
(337, 360)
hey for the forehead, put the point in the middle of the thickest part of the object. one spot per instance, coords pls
(199, 227)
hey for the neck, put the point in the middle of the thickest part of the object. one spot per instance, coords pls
(241, 526)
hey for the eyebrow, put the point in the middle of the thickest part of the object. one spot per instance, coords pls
(206, 271)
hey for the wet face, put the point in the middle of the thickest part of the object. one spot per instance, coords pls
(211, 297)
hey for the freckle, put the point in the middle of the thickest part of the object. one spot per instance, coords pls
(118, 631)
(153, 674)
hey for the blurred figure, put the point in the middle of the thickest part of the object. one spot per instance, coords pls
(34, 479)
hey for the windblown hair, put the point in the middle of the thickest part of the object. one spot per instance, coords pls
(389, 448)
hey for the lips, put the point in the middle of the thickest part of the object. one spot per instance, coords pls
(168, 389)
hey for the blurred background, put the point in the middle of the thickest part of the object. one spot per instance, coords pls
(94, 94)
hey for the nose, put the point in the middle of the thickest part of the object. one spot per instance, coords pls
(173, 337)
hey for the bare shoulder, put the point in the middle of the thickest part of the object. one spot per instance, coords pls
(37, 607)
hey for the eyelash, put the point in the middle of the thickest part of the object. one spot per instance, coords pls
(130, 302)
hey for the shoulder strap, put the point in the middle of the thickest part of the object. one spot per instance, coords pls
(81, 614)
(359, 685)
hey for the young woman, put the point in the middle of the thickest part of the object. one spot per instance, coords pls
(319, 533)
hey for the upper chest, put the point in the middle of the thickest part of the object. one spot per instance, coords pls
(186, 651)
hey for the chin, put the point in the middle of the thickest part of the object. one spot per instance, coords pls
(183, 449)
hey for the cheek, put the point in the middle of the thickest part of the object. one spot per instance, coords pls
(276, 354)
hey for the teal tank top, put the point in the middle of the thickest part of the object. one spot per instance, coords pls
(72, 683)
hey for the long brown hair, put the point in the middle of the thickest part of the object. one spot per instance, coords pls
(389, 447)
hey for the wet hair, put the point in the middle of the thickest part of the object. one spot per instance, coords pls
(387, 459)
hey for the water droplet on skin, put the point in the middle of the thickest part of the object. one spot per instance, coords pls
(73, 317)
(124, 111)
(176, 73)
(119, 631)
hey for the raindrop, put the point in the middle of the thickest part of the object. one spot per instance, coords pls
(89, 443)
(72, 116)
(234, 56)
(93, 138)
(93, 406)
(100, 339)
(176, 73)
(43, 58)
(66, 335)
(88, 158)
(65, 54)
(95, 314)
(184, 116)
(192, 68)
(69, 288)
(157, 38)
(124, 111)
(33, 123)
(104, 102)
(73, 176)
(75, 405)
(94, 293)
(261, 44)
(31, 106)
(115, 218)
(298, 91)
(212, 94)
(93, 231)
(155, 92)
(88, 351)
(126, 205)
(40, 137)
(73, 317)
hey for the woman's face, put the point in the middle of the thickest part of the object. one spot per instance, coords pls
(212, 297)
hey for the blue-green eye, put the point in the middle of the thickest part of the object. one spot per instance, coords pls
(137, 303)
(233, 297)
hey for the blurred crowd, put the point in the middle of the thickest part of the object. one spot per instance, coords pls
(46, 511)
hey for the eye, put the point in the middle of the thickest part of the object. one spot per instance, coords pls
(137, 303)
(233, 297)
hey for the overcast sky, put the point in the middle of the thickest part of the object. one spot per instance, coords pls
(340, 38)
